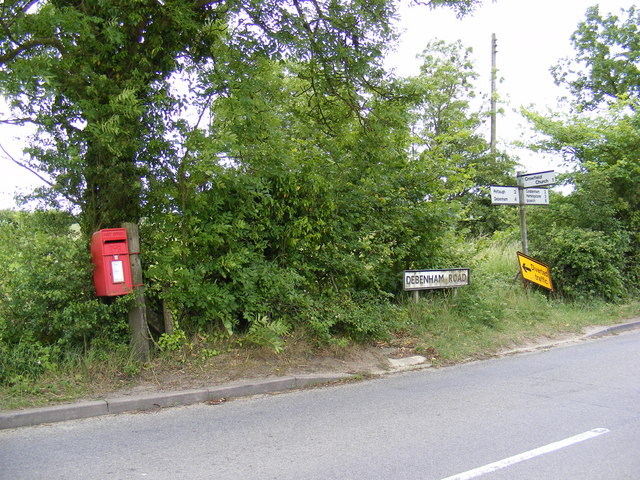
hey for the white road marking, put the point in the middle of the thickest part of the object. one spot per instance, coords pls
(507, 462)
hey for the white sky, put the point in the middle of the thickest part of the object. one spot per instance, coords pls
(531, 35)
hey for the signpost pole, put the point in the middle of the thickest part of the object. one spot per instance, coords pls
(528, 192)
(523, 218)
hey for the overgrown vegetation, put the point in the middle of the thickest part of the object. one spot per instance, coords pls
(495, 313)
(591, 236)
(317, 179)
(48, 308)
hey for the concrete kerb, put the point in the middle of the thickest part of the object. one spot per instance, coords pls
(109, 406)
(590, 333)
(58, 413)
(621, 327)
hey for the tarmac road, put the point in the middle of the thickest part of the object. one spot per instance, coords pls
(568, 413)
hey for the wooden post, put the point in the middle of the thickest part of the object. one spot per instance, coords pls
(137, 312)
(494, 100)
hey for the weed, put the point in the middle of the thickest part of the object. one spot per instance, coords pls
(268, 333)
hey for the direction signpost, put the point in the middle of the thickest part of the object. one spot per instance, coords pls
(540, 179)
(505, 196)
(536, 196)
(511, 196)
(528, 192)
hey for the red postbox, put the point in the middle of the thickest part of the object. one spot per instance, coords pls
(110, 256)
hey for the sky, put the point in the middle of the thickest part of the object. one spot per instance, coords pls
(532, 36)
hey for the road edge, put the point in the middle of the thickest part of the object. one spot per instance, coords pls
(621, 327)
(134, 403)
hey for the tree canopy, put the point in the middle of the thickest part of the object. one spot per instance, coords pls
(98, 79)
(276, 170)
(605, 67)
(600, 142)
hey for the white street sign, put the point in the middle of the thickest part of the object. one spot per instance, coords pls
(536, 196)
(505, 195)
(430, 279)
(539, 179)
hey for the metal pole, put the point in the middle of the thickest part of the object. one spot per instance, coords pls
(523, 218)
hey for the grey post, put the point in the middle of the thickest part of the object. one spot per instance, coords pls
(523, 219)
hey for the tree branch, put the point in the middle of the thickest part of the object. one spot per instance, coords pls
(28, 45)
(26, 167)
(14, 12)
(69, 198)
(17, 121)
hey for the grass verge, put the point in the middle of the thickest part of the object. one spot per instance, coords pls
(497, 312)
(493, 314)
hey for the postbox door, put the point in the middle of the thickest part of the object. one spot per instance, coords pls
(110, 255)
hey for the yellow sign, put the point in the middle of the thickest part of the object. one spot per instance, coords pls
(535, 271)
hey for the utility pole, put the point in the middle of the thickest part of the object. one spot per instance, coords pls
(494, 45)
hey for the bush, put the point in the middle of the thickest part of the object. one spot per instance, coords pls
(48, 302)
(361, 317)
(585, 264)
(586, 241)
(284, 244)
(25, 360)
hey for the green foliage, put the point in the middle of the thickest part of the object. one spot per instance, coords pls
(481, 304)
(460, 7)
(446, 133)
(293, 207)
(216, 269)
(268, 333)
(589, 255)
(318, 180)
(593, 255)
(48, 305)
(492, 315)
(605, 68)
(25, 360)
(592, 240)
(96, 79)
(174, 341)
(362, 317)
(367, 319)
(586, 265)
